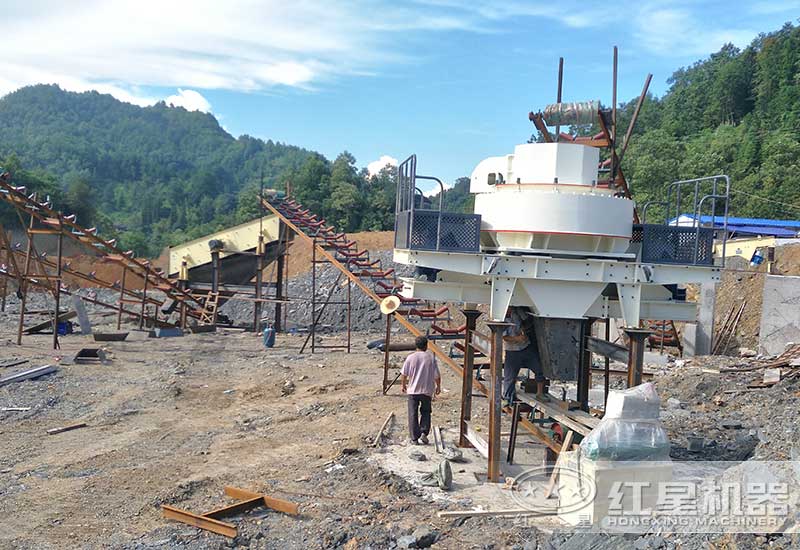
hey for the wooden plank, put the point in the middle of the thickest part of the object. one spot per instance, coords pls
(492, 513)
(208, 524)
(236, 508)
(28, 374)
(536, 432)
(607, 349)
(13, 363)
(83, 316)
(271, 502)
(53, 431)
(554, 476)
(378, 436)
(49, 324)
(480, 444)
(771, 376)
(567, 418)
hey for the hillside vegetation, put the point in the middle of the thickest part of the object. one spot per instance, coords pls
(160, 175)
(735, 113)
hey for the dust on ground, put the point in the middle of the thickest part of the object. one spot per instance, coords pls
(173, 421)
(300, 251)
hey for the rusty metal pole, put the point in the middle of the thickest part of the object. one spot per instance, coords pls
(259, 283)
(467, 376)
(558, 93)
(5, 280)
(279, 294)
(57, 294)
(144, 296)
(283, 260)
(23, 285)
(183, 284)
(121, 295)
(495, 398)
(386, 352)
(636, 339)
(215, 271)
(607, 381)
(313, 292)
(349, 314)
(585, 366)
(613, 172)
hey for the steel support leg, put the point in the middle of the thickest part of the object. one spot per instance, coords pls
(259, 283)
(313, 293)
(495, 399)
(57, 293)
(23, 287)
(281, 268)
(637, 338)
(607, 367)
(512, 438)
(584, 366)
(386, 353)
(121, 296)
(144, 297)
(5, 280)
(215, 271)
(467, 376)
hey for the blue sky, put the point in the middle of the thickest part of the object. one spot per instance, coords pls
(449, 80)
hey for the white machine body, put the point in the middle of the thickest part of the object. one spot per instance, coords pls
(545, 196)
(554, 241)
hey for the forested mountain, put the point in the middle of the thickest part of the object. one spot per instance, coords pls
(159, 175)
(735, 113)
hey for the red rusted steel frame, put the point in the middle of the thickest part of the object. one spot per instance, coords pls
(537, 120)
(89, 278)
(532, 428)
(447, 330)
(635, 116)
(46, 214)
(41, 283)
(429, 313)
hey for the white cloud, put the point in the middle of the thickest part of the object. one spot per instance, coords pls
(189, 100)
(677, 30)
(435, 189)
(123, 47)
(377, 165)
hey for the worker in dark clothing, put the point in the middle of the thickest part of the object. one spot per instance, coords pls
(521, 352)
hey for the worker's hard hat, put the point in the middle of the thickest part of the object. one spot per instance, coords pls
(390, 304)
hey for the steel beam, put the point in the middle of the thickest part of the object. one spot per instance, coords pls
(495, 398)
(637, 338)
(208, 524)
(467, 376)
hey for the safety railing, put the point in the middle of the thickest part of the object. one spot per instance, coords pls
(683, 241)
(420, 228)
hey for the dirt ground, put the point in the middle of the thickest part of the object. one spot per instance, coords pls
(173, 421)
(300, 251)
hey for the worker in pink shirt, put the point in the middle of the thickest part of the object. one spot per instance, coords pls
(421, 381)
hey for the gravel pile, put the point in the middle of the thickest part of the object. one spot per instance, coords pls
(365, 315)
(736, 422)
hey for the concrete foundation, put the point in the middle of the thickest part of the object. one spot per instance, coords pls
(780, 314)
(587, 489)
(697, 337)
